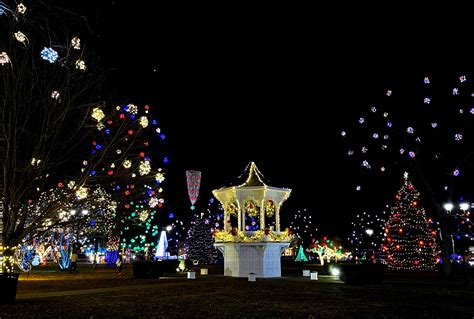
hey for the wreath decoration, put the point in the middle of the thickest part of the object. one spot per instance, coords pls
(232, 208)
(270, 208)
(251, 207)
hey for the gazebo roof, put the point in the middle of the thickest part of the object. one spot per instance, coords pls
(254, 178)
(253, 187)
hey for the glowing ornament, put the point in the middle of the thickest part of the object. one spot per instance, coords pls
(193, 181)
(402, 151)
(455, 91)
(382, 169)
(385, 137)
(389, 124)
(434, 125)
(461, 111)
(127, 164)
(35, 162)
(426, 80)
(49, 55)
(132, 109)
(458, 137)
(20, 36)
(81, 193)
(97, 114)
(21, 8)
(427, 100)
(364, 149)
(358, 188)
(350, 152)
(361, 120)
(456, 172)
(76, 43)
(389, 92)
(55, 95)
(159, 177)
(385, 114)
(144, 168)
(366, 164)
(343, 133)
(144, 121)
(81, 65)
(375, 136)
(373, 109)
(410, 130)
(411, 154)
(153, 202)
(4, 59)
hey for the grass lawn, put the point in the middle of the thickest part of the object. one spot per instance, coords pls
(222, 297)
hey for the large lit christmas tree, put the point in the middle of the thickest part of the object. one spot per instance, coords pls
(410, 243)
(201, 243)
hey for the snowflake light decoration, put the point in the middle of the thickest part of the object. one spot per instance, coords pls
(20, 36)
(144, 168)
(49, 55)
(4, 59)
(76, 43)
(97, 114)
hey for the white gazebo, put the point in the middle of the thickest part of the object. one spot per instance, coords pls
(254, 248)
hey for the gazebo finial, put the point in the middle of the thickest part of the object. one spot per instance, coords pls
(255, 177)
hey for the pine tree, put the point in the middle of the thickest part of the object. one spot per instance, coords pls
(410, 243)
(201, 243)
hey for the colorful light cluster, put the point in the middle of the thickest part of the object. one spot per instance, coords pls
(410, 242)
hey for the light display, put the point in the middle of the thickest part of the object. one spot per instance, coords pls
(20, 37)
(301, 257)
(201, 243)
(410, 243)
(432, 137)
(49, 55)
(366, 236)
(4, 59)
(193, 180)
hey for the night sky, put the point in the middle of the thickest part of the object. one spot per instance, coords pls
(270, 84)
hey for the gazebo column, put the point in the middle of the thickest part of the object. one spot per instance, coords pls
(277, 217)
(239, 220)
(262, 214)
(227, 225)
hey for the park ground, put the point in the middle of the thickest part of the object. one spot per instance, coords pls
(103, 293)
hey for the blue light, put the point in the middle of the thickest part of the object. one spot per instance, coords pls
(165, 160)
(147, 158)
(98, 147)
(150, 192)
(49, 55)
(107, 131)
(192, 207)
(117, 187)
(162, 136)
(93, 173)
(171, 215)
(125, 108)
(132, 116)
(154, 122)
(94, 152)
(92, 223)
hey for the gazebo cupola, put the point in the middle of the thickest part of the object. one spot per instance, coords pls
(252, 198)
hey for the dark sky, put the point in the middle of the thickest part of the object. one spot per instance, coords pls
(270, 84)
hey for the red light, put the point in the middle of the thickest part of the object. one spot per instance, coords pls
(110, 172)
(142, 154)
(122, 116)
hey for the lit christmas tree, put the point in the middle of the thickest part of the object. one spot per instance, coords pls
(201, 243)
(301, 256)
(409, 241)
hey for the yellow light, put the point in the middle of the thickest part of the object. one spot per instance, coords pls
(81, 65)
(127, 164)
(144, 121)
(81, 193)
(20, 36)
(144, 168)
(97, 114)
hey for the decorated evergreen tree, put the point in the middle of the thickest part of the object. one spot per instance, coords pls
(410, 243)
(201, 243)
